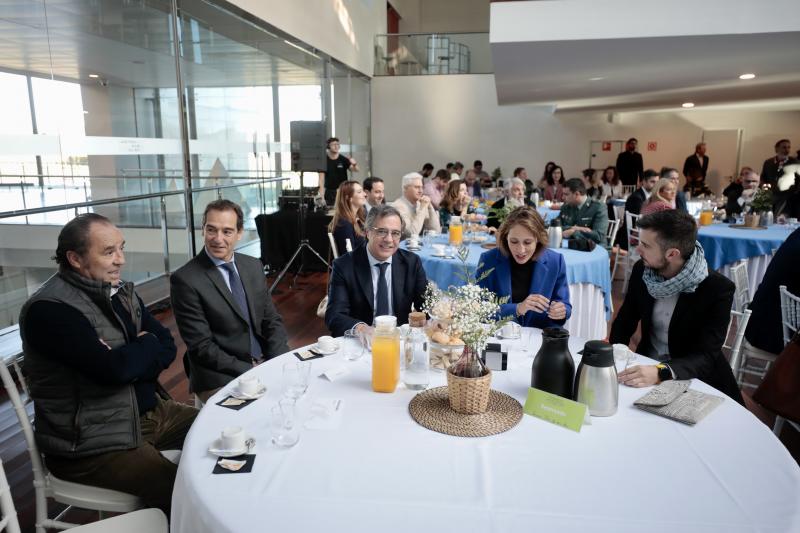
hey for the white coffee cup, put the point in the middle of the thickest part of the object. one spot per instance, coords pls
(232, 438)
(439, 249)
(249, 384)
(413, 242)
(326, 343)
(511, 330)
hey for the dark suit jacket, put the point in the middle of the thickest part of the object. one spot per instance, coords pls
(351, 296)
(692, 168)
(680, 202)
(764, 329)
(769, 170)
(633, 205)
(549, 279)
(696, 332)
(630, 167)
(344, 230)
(215, 331)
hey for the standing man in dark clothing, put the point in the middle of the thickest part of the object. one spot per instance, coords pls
(629, 163)
(93, 354)
(336, 171)
(695, 168)
(773, 167)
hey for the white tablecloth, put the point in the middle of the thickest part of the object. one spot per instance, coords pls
(380, 471)
(588, 320)
(756, 267)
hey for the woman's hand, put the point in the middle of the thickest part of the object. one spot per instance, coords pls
(558, 311)
(534, 302)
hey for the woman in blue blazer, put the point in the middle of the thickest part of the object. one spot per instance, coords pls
(523, 268)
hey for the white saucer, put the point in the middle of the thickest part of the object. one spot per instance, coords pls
(443, 256)
(318, 349)
(239, 395)
(510, 337)
(414, 248)
(215, 448)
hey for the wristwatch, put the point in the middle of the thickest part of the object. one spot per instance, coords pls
(664, 372)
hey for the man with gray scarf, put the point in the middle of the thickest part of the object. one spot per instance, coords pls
(684, 308)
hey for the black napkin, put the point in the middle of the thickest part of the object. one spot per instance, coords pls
(235, 407)
(250, 458)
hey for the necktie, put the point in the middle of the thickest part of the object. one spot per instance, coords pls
(237, 289)
(382, 298)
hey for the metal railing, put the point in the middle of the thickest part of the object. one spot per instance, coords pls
(415, 54)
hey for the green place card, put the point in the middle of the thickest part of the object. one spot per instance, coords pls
(555, 409)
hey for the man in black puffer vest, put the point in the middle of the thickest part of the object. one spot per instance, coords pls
(93, 354)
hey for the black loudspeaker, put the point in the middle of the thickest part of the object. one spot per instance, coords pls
(308, 146)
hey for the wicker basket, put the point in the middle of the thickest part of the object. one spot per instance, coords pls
(469, 396)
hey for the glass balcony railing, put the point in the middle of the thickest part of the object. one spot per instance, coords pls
(417, 54)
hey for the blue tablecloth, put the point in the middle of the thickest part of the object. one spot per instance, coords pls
(547, 213)
(724, 245)
(582, 267)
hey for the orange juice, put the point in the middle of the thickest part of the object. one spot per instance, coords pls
(706, 217)
(456, 235)
(385, 362)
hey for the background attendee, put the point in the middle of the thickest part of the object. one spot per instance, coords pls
(377, 279)
(548, 169)
(663, 197)
(680, 197)
(458, 168)
(683, 307)
(473, 185)
(593, 183)
(552, 185)
(629, 163)
(374, 187)
(485, 180)
(222, 306)
(635, 201)
(456, 202)
(741, 196)
(348, 216)
(336, 171)
(695, 168)
(415, 208)
(525, 270)
(427, 170)
(772, 168)
(530, 187)
(478, 166)
(435, 187)
(514, 197)
(581, 217)
(612, 186)
(93, 355)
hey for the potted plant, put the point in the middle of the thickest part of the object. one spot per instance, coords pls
(761, 204)
(467, 312)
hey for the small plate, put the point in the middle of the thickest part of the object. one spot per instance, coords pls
(239, 395)
(509, 338)
(316, 348)
(215, 448)
(443, 256)
(414, 248)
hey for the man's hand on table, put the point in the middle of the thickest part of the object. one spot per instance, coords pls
(639, 376)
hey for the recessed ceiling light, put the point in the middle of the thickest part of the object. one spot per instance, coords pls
(597, 78)
(747, 76)
(687, 105)
(94, 75)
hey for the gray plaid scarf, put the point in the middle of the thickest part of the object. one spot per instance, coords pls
(694, 271)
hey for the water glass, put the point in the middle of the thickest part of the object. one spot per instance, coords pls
(283, 422)
(296, 378)
(353, 345)
(429, 237)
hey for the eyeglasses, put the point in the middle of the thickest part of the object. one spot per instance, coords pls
(383, 233)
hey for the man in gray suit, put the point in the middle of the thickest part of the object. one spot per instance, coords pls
(224, 312)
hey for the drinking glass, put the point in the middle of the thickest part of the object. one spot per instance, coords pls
(353, 345)
(284, 424)
(295, 378)
(429, 237)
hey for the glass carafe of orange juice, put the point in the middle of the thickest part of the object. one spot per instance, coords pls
(385, 354)
(456, 231)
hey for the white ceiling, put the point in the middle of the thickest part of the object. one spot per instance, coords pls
(654, 63)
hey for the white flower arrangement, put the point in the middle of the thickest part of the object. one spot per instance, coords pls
(471, 311)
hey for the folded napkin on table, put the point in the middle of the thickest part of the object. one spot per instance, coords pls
(673, 399)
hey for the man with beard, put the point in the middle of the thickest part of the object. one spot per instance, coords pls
(581, 217)
(629, 163)
(515, 197)
(683, 307)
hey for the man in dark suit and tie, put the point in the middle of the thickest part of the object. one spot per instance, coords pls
(375, 279)
(695, 168)
(630, 165)
(683, 306)
(224, 312)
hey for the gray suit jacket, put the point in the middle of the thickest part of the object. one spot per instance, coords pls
(212, 326)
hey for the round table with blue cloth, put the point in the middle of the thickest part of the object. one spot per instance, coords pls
(725, 246)
(588, 275)
(547, 213)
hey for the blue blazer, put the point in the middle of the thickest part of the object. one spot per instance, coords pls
(549, 279)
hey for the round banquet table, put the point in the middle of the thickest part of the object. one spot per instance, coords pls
(588, 275)
(380, 471)
(725, 246)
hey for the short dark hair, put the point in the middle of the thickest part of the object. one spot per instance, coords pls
(427, 166)
(329, 141)
(649, 173)
(477, 163)
(443, 175)
(632, 139)
(225, 205)
(518, 170)
(589, 172)
(459, 165)
(74, 236)
(382, 211)
(369, 181)
(448, 166)
(667, 170)
(575, 185)
(673, 229)
(781, 142)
